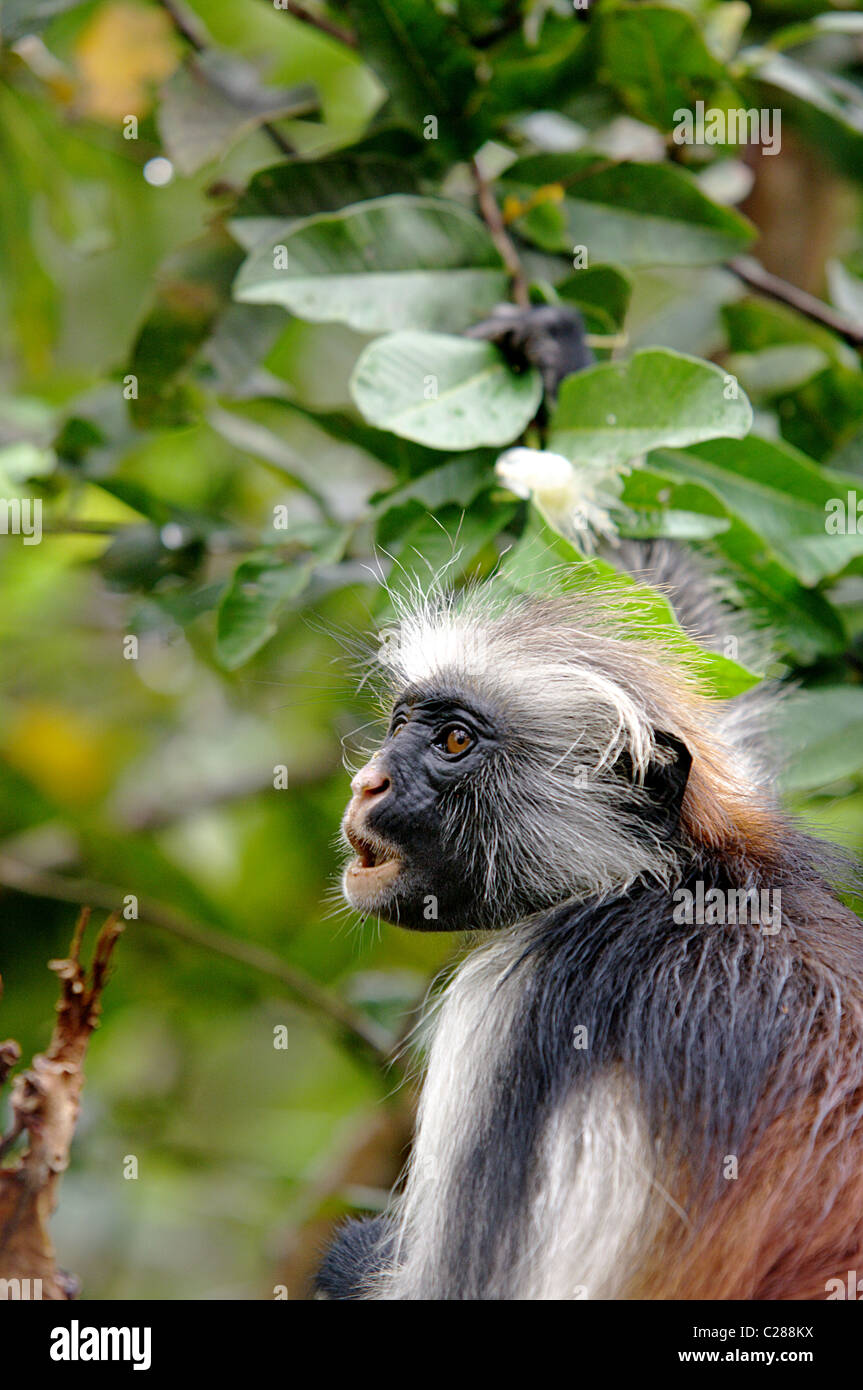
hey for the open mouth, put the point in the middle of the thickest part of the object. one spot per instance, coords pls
(376, 862)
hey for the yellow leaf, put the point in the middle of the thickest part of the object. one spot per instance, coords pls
(513, 207)
(549, 193)
(59, 752)
(121, 54)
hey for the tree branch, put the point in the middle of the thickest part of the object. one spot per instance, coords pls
(364, 1036)
(45, 1100)
(493, 219)
(187, 25)
(773, 287)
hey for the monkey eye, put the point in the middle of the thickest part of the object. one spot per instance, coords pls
(454, 740)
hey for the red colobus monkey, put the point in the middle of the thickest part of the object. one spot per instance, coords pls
(647, 1081)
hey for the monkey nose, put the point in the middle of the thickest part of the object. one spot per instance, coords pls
(370, 781)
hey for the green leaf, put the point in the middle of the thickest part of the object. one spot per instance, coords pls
(543, 559)
(657, 61)
(821, 731)
(248, 613)
(478, 398)
(21, 17)
(450, 541)
(389, 263)
(827, 108)
(459, 480)
(848, 454)
(400, 455)
(780, 494)
(800, 620)
(846, 290)
(243, 428)
(821, 413)
(303, 188)
(247, 616)
(613, 412)
(824, 413)
(633, 214)
(192, 288)
(723, 26)
(424, 62)
(213, 100)
(815, 28)
(602, 293)
(657, 507)
(754, 324)
(527, 76)
(775, 370)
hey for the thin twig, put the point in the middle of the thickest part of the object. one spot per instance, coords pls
(757, 278)
(190, 29)
(373, 1040)
(89, 528)
(493, 219)
(187, 25)
(326, 26)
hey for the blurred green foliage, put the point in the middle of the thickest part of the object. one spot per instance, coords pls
(168, 387)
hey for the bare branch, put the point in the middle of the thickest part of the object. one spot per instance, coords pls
(493, 219)
(45, 1101)
(326, 26)
(773, 287)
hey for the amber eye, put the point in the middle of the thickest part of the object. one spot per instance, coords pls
(456, 740)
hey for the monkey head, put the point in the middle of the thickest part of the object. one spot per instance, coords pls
(529, 760)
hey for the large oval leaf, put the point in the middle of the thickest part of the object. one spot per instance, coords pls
(423, 60)
(602, 294)
(262, 584)
(824, 106)
(821, 736)
(394, 262)
(616, 411)
(657, 61)
(783, 496)
(634, 214)
(451, 393)
(374, 168)
(248, 612)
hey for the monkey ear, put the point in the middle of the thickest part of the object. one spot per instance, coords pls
(665, 782)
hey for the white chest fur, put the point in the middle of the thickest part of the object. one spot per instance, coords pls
(592, 1203)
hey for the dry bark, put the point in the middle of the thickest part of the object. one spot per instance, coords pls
(44, 1104)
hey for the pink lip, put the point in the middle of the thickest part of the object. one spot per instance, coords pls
(372, 875)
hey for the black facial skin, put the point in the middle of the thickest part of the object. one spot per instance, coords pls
(432, 891)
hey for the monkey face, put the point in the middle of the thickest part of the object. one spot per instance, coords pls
(507, 785)
(409, 866)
